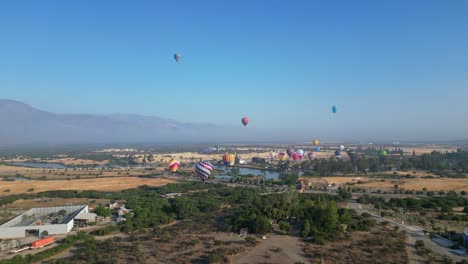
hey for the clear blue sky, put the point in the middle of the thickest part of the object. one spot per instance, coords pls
(395, 69)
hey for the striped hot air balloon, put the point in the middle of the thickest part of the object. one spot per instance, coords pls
(229, 159)
(281, 156)
(204, 169)
(174, 165)
(311, 156)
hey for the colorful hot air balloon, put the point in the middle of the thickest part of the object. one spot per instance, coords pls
(177, 57)
(315, 142)
(245, 121)
(334, 109)
(281, 156)
(173, 165)
(204, 169)
(272, 155)
(311, 156)
(300, 152)
(295, 156)
(337, 154)
(341, 148)
(317, 149)
(229, 159)
(290, 151)
(383, 153)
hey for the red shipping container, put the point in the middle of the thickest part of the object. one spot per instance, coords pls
(42, 242)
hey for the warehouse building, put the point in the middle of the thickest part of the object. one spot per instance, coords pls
(38, 221)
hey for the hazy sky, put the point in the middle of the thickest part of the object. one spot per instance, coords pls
(395, 70)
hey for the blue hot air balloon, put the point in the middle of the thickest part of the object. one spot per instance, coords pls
(334, 109)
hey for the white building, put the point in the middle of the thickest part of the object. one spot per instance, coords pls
(37, 220)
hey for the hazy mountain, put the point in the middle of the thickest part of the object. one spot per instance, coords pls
(23, 124)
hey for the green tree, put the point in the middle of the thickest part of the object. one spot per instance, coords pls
(261, 225)
(306, 229)
(285, 227)
(103, 211)
(344, 194)
(44, 233)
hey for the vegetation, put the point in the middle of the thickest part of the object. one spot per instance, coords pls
(68, 242)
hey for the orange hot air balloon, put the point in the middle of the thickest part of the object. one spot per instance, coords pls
(229, 159)
(173, 165)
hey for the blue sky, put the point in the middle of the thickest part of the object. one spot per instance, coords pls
(395, 70)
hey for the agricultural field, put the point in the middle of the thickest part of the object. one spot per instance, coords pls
(97, 184)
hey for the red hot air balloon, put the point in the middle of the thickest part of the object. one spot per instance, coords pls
(245, 121)
(295, 156)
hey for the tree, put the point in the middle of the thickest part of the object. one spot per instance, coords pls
(305, 229)
(285, 227)
(344, 194)
(419, 243)
(62, 212)
(261, 225)
(44, 233)
(102, 211)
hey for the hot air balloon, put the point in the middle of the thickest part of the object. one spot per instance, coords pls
(341, 148)
(281, 156)
(334, 109)
(177, 57)
(290, 151)
(295, 156)
(311, 156)
(204, 169)
(317, 149)
(272, 155)
(245, 121)
(229, 159)
(337, 154)
(173, 165)
(383, 153)
(300, 152)
(315, 142)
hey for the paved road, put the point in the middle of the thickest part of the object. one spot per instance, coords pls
(414, 234)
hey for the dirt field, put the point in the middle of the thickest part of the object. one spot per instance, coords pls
(275, 249)
(98, 184)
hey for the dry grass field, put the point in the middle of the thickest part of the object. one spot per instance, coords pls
(28, 204)
(437, 184)
(6, 170)
(441, 184)
(98, 184)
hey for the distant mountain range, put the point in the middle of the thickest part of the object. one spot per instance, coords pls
(22, 124)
